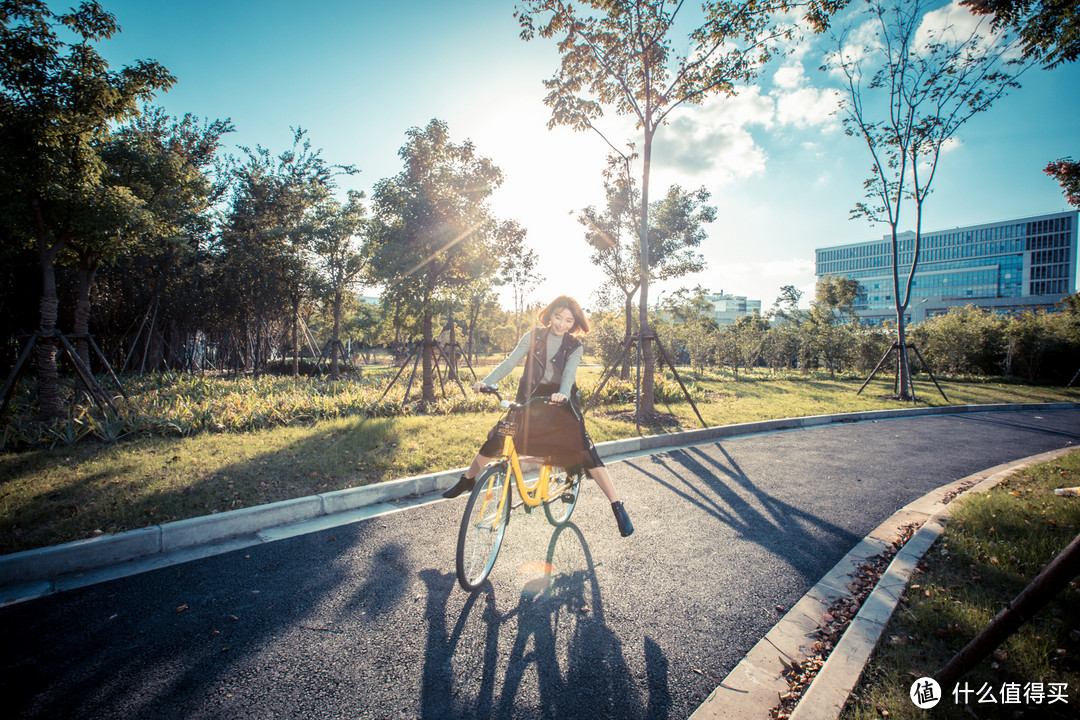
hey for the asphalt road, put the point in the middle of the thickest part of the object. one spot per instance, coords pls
(367, 621)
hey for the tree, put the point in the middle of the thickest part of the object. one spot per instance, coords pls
(169, 167)
(336, 232)
(678, 229)
(518, 269)
(692, 325)
(264, 274)
(57, 101)
(619, 54)
(1067, 172)
(839, 294)
(433, 233)
(1049, 29)
(927, 80)
(746, 340)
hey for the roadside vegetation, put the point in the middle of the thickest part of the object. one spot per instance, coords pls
(995, 544)
(187, 445)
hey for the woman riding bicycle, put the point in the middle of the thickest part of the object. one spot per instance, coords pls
(552, 354)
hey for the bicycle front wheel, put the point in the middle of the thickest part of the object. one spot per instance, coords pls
(560, 507)
(482, 527)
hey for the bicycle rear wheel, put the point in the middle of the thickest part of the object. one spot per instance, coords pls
(560, 507)
(483, 526)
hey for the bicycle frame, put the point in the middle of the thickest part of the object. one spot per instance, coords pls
(541, 491)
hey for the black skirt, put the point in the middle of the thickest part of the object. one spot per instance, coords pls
(547, 430)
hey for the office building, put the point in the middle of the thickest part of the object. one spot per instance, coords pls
(1008, 266)
(729, 308)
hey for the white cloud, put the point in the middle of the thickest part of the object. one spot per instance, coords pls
(789, 77)
(714, 138)
(808, 107)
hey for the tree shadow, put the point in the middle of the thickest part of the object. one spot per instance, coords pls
(779, 527)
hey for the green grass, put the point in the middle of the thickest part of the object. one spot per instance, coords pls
(994, 546)
(179, 464)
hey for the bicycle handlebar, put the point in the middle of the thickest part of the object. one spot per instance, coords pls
(512, 405)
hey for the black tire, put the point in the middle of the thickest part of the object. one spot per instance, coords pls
(482, 527)
(559, 508)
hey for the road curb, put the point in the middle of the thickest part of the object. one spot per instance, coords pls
(37, 571)
(752, 689)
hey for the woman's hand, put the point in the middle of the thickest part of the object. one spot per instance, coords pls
(478, 386)
(558, 397)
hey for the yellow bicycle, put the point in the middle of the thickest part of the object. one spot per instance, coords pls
(487, 512)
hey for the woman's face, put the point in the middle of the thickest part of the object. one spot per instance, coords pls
(561, 321)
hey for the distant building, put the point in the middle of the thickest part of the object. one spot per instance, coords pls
(729, 308)
(368, 300)
(1008, 266)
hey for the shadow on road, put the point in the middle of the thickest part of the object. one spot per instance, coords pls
(723, 490)
(483, 663)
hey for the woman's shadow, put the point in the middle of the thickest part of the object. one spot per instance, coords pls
(560, 637)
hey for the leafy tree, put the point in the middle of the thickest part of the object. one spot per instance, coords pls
(619, 54)
(433, 234)
(263, 272)
(1049, 29)
(57, 101)
(908, 92)
(962, 341)
(336, 232)
(692, 326)
(1050, 32)
(678, 229)
(1067, 172)
(840, 294)
(518, 268)
(170, 167)
(746, 337)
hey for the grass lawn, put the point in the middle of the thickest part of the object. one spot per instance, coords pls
(993, 547)
(77, 490)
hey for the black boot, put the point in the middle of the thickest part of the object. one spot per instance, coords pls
(464, 484)
(625, 526)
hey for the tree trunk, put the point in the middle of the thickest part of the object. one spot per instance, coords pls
(335, 371)
(49, 405)
(87, 271)
(629, 315)
(647, 382)
(428, 384)
(296, 335)
(451, 373)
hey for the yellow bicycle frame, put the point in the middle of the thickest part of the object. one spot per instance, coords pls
(540, 492)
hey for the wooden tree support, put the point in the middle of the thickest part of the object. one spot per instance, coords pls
(1042, 589)
(325, 355)
(628, 342)
(896, 347)
(93, 388)
(439, 354)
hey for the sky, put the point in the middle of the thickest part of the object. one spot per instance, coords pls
(356, 75)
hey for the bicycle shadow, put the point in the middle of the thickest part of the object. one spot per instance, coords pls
(551, 655)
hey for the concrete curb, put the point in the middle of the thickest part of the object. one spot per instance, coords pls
(45, 565)
(753, 687)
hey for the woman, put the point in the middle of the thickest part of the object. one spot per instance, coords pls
(552, 354)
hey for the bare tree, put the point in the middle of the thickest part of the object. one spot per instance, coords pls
(912, 82)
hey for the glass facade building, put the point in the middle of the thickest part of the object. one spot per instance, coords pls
(1012, 265)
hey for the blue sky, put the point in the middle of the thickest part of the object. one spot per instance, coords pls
(357, 75)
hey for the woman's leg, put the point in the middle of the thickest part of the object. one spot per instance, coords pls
(603, 479)
(477, 463)
(468, 479)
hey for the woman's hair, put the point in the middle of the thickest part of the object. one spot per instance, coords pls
(581, 323)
